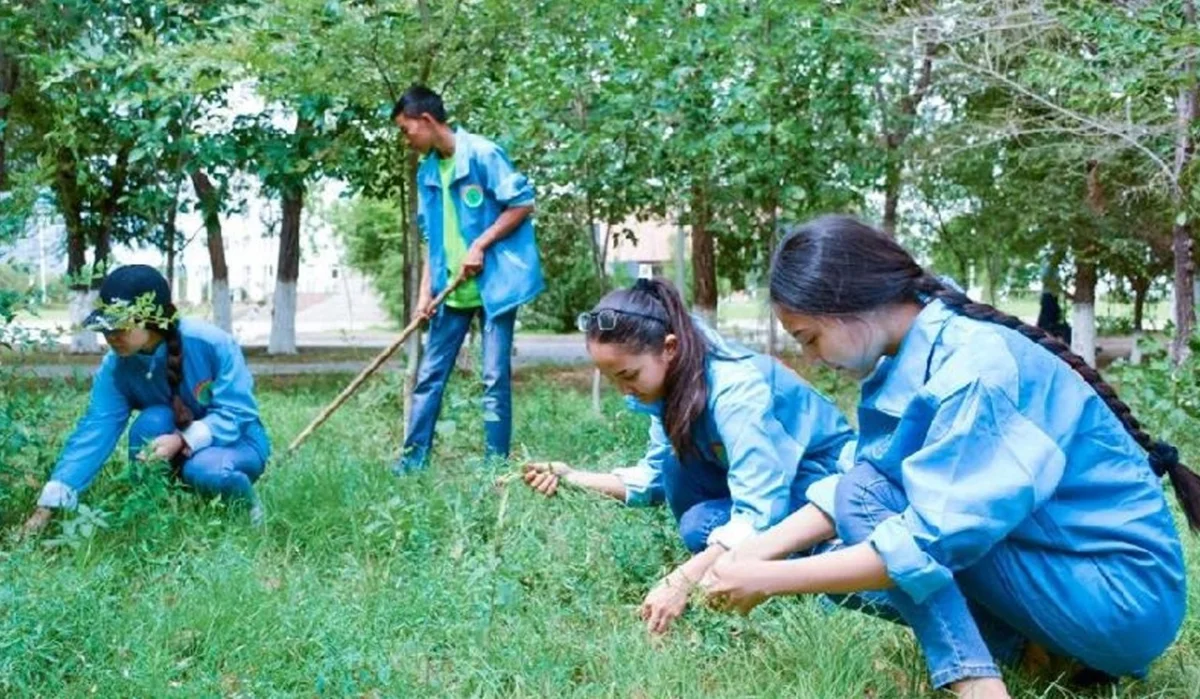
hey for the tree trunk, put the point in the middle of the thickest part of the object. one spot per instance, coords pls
(771, 207)
(283, 315)
(110, 208)
(599, 250)
(1051, 280)
(414, 262)
(70, 204)
(412, 251)
(1083, 312)
(891, 193)
(593, 230)
(1185, 302)
(1181, 232)
(8, 85)
(83, 296)
(993, 265)
(169, 236)
(100, 256)
(704, 267)
(210, 207)
(1141, 286)
(408, 268)
(895, 137)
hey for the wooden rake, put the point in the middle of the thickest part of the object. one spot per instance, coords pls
(370, 369)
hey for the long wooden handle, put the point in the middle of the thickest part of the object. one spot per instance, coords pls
(371, 368)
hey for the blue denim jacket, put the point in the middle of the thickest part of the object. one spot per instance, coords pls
(484, 185)
(217, 387)
(992, 437)
(776, 437)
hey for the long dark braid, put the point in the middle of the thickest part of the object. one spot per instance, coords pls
(174, 340)
(1164, 457)
(837, 265)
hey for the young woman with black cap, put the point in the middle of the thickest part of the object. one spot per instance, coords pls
(190, 386)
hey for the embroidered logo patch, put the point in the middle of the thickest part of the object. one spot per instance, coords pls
(203, 392)
(718, 451)
(472, 196)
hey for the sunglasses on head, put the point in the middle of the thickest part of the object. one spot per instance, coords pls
(606, 319)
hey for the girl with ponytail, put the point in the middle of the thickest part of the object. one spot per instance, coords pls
(191, 387)
(737, 441)
(1004, 502)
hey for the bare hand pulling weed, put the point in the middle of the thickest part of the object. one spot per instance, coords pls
(544, 476)
(166, 447)
(158, 450)
(666, 602)
(36, 522)
(733, 585)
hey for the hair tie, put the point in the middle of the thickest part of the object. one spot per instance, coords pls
(1163, 457)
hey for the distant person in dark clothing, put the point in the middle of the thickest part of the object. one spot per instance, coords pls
(1050, 318)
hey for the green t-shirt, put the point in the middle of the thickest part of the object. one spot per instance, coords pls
(467, 294)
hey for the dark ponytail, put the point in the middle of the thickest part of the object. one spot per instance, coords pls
(174, 340)
(643, 317)
(837, 265)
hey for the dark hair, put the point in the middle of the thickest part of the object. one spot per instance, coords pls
(836, 265)
(418, 100)
(173, 338)
(645, 314)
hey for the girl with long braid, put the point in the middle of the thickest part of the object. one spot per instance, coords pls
(191, 386)
(737, 440)
(1004, 503)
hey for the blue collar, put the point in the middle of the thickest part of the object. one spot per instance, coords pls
(144, 362)
(896, 379)
(429, 175)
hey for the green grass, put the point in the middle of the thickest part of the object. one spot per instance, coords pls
(436, 584)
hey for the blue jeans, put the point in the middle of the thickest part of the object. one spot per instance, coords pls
(227, 471)
(994, 607)
(698, 494)
(959, 637)
(447, 330)
(700, 520)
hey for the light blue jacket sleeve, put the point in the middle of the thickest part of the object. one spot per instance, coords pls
(763, 458)
(503, 182)
(233, 404)
(644, 482)
(981, 470)
(92, 442)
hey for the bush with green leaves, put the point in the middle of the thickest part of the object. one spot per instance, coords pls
(571, 282)
(1114, 325)
(26, 417)
(1164, 397)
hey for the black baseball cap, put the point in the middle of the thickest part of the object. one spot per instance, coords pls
(127, 284)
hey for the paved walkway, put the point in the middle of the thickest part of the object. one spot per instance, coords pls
(531, 351)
